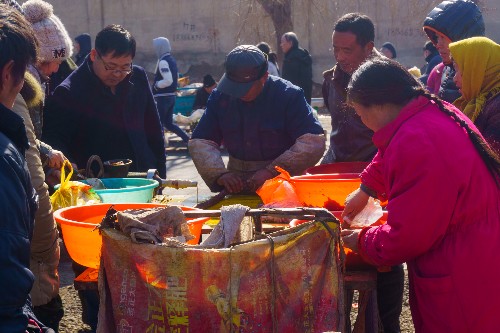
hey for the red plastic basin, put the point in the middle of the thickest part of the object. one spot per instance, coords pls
(325, 190)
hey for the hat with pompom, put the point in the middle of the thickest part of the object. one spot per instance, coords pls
(52, 36)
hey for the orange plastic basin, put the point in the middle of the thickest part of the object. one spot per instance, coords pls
(353, 260)
(325, 190)
(84, 243)
(339, 167)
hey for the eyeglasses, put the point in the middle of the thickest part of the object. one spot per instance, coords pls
(115, 70)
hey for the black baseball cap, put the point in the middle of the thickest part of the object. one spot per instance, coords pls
(244, 65)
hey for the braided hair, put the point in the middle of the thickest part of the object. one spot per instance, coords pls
(384, 81)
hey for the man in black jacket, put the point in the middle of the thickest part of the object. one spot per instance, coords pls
(297, 65)
(18, 199)
(106, 108)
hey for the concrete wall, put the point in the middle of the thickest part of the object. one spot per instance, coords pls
(203, 31)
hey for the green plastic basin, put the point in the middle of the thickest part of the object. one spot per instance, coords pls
(127, 190)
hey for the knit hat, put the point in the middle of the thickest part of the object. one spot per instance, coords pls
(55, 43)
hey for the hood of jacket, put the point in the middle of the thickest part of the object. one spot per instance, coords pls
(456, 20)
(32, 91)
(161, 46)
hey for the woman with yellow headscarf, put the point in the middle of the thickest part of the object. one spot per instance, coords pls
(477, 64)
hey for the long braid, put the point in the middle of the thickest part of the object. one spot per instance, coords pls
(488, 155)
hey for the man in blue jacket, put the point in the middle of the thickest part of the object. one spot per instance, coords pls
(106, 108)
(264, 121)
(18, 199)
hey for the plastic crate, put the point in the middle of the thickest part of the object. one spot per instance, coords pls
(184, 104)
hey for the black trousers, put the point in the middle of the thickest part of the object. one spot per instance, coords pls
(390, 288)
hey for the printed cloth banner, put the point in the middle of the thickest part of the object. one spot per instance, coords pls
(291, 281)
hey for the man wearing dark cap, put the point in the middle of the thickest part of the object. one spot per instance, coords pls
(264, 122)
(202, 94)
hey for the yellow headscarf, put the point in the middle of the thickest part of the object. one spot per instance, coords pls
(478, 60)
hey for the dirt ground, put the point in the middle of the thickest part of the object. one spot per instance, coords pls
(179, 166)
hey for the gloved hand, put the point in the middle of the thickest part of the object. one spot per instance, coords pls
(231, 182)
(258, 179)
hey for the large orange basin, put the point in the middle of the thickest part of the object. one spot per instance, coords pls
(82, 239)
(325, 190)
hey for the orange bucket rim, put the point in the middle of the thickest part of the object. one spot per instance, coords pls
(63, 220)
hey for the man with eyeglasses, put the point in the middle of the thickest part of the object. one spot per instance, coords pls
(106, 108)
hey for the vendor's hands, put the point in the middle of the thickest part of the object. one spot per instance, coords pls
(354, 203)
(258, 179)
(231, 182)
(350, 238)
(56, 159)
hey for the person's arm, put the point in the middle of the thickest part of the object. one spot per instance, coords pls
(208, 161)
(414, 223)
(324, 91)
(166, 75)
(61, 121)
(372, 182)
(204, 146)
(15, 276)
(153, 131)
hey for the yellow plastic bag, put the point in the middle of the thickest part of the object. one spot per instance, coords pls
(279, 191)
(72, 193)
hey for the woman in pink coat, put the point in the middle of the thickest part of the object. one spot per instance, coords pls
(441, 181)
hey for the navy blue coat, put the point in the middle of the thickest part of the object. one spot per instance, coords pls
(83, 118)
(260, 130)
(18, 204)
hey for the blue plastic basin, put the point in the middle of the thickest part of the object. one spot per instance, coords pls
(125, 190)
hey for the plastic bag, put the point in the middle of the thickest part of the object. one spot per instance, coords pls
(279, 191)
(72, 193)
(368, 216)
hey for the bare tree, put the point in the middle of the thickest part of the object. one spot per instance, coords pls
(281, 15)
